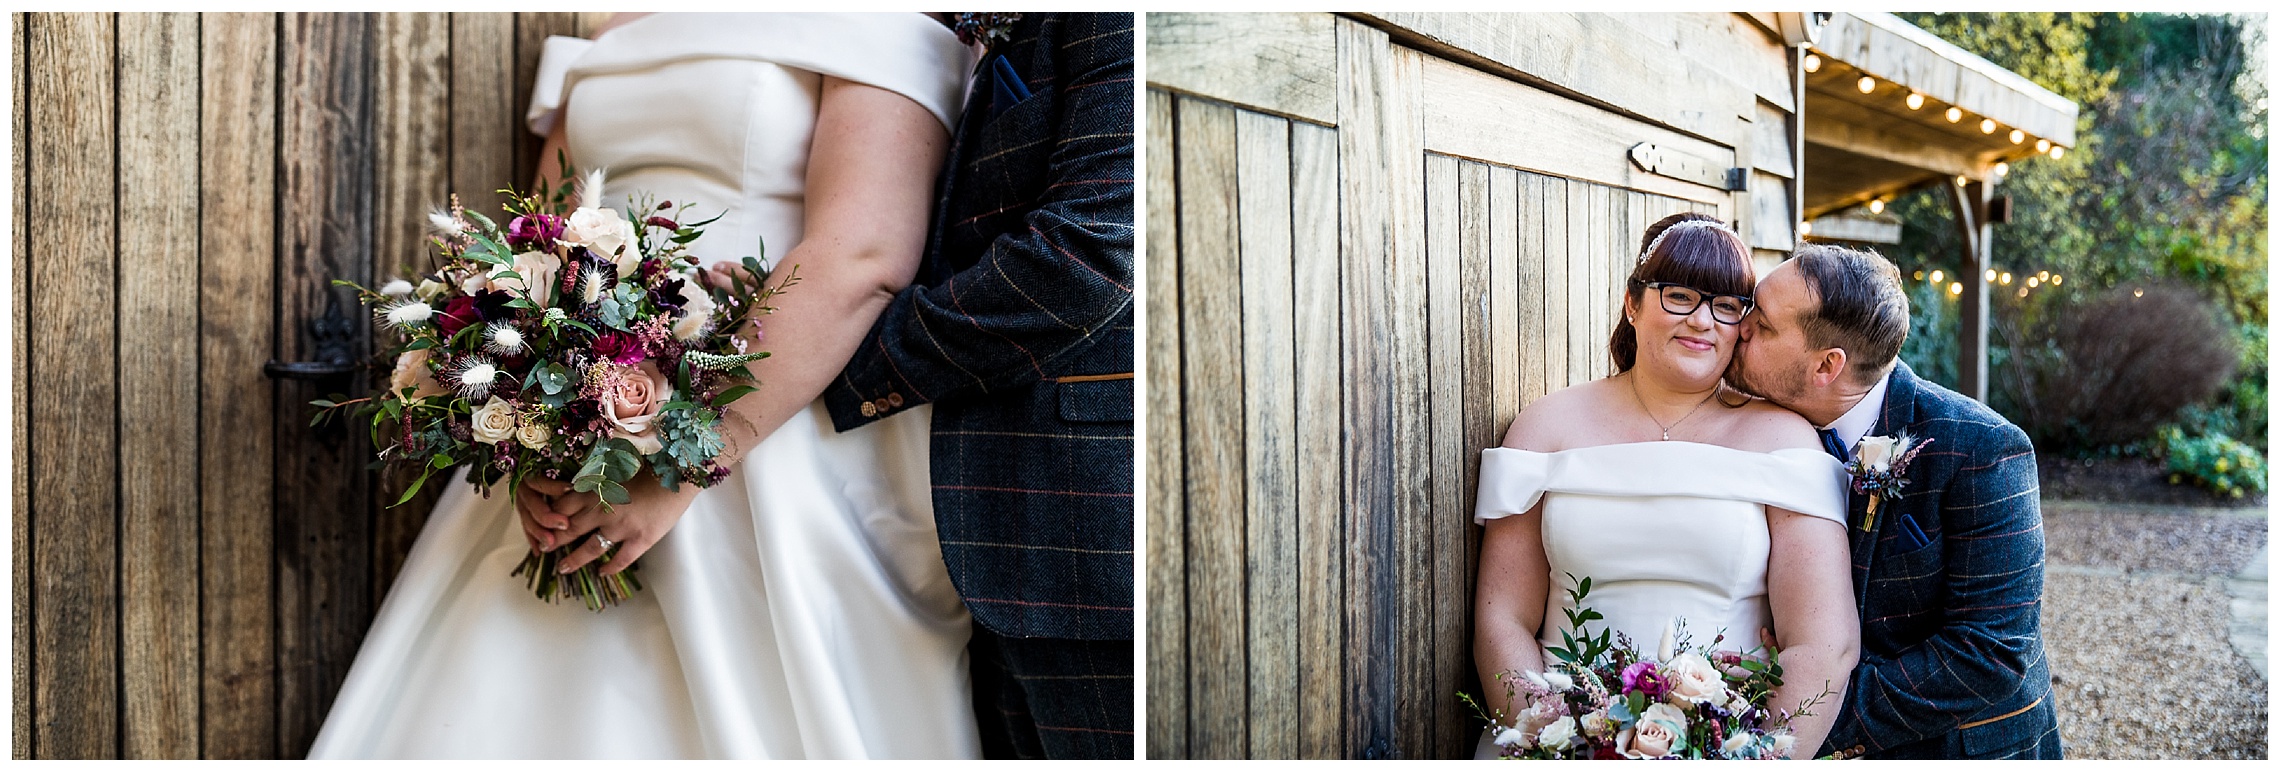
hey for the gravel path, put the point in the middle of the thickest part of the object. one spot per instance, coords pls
(2137, 624)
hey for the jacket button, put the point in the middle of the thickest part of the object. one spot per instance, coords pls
(894, 399)
(870, 410)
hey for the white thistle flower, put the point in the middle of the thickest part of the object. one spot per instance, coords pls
(556, 315)
(445, 225)
(476, 377)
(504, 338)
(402, 314)
(396, 288)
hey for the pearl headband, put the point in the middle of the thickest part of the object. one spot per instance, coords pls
(1684, 224)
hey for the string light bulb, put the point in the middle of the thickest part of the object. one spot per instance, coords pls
(2057, 152)
(1938, 276)
(1919, 276)
(1986, 125)
(2042, 146)
(1954, 114)
(1915, 101)
(2045, 276)
(2006, 280)
(2032, 281)
(2018, 136)
(2022, 292)
(1955, 288)
(2056, 280)
(2137, 293)
(1876, 206)
(1805, 227)
(1866, 84)
(1991, 274)
(1961, 180)
(2002, 168)
(1812, 62)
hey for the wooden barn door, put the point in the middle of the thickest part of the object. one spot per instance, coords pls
(195, 565)
(1363, 260)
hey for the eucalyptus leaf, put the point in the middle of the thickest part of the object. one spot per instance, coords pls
(731, 395)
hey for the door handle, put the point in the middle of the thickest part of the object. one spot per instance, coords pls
(333, 333)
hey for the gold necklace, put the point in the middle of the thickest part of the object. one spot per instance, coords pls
(1651, 413)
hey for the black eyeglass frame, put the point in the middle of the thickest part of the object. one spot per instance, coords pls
(1748, 305)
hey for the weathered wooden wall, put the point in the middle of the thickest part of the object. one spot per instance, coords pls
(195, 566)
(1364, 259)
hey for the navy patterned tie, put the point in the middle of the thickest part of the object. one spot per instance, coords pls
(1834, 446)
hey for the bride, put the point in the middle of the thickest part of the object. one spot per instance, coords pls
(801, 607)
(1675, 503)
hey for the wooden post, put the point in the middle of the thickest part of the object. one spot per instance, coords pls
(1970, 204)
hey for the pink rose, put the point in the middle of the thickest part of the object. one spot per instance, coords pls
(631, 406)
(412, 370)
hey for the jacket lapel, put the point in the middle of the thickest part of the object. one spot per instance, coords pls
(1899, 411)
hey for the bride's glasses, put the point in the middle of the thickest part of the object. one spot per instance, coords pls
(1681, 300)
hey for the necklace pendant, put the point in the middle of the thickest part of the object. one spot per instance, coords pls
(1666, 435)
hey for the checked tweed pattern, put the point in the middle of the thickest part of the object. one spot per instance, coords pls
(1951, 661)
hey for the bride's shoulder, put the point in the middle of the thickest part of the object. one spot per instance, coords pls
(1552, 422)
(1764, 427)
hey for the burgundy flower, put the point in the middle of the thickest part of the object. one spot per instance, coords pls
(662, 222)
(533, 230)
(491, 305)
(457, 314)
(621, 348)
(1644, 677)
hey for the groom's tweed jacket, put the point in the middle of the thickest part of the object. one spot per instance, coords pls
(1951, 660)
(1019, 331)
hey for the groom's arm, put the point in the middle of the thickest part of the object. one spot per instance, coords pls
(1051, 286)
(1993, 560)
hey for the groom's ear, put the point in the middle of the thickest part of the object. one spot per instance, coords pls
(1828, 367)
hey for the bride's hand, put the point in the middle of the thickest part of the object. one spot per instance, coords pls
(634, 526)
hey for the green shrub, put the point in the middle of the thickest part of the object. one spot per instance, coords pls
(2213, 461)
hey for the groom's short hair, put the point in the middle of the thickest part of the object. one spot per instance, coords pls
(1861, 307)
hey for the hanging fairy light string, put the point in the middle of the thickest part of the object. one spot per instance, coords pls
(1868, 85)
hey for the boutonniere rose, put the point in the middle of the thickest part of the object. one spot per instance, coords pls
(1879, 469)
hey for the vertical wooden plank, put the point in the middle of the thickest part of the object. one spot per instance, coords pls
(1586, 285)
(1167, 482)
(1637, 212)
(1320, 379)
(1365, 61)
(1458, 279)
(1534, 292)
(20, 434)
(1563, 332)
(1211, 323)
(158, 383)
(531, 31)
(1408, 314)
(1508, 299)
(412, 112)
(73, 326)
(237, 194)
(1262, 155)
(323, 524)
(1602, 248)
(484, 119)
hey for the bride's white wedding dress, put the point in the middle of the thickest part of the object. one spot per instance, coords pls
(799, 609)
(1665, 530)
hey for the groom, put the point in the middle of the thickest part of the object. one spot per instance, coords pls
(1948, 571)
(1019, 332)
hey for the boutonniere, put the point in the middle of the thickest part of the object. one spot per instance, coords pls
(1879, 469)
(991, 30)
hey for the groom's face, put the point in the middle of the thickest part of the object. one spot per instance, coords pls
(1773, 360)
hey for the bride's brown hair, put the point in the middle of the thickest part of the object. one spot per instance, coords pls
(1695, 250)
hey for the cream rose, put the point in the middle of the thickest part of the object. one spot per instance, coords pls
(1661, 730)
(631, 408)
(1694, 679)
(428, 289)
(1557, 734)
(533, 435)
(1875, 452)
(494, 422)
(696, 311)
(1597, 725)
(605, 232)
(1536, 717)
(412, 370)
(538, 270)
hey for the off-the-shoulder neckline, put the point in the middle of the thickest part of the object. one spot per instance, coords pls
(1728, 448)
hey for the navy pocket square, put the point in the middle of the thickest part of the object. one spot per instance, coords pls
(1913, 533)
(1006, 88)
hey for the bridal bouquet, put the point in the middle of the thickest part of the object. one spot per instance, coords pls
(574, 344)
(1604, 700)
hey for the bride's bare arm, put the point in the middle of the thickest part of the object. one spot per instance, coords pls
(870, 185)
(1809, 584)
(1508, 604)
